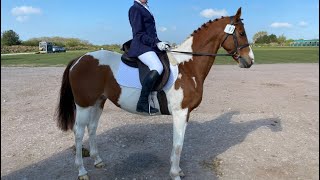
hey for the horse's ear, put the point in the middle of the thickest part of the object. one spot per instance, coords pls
(238, 15)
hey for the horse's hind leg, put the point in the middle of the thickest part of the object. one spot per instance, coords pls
(92, 127)
(82, 120)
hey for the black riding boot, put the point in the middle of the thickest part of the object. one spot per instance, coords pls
(147, 85)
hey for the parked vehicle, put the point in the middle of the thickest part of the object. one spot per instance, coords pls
(58, 49)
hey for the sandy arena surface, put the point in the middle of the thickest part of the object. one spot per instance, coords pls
(257, 123)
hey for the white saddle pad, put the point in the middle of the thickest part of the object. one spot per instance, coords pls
(129, 77)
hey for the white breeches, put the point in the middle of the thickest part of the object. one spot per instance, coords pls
(152, 60)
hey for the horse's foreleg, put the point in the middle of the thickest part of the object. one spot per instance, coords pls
(82, 119)
(92, 127)
(179, 127)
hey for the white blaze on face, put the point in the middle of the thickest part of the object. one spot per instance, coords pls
(251, 55)
(185, 46)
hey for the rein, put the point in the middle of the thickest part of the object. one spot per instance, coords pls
(233, 53)
(201, 54)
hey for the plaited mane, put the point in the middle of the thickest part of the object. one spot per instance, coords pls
(205, 25)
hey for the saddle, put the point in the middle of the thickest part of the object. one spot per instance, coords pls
(143, 69)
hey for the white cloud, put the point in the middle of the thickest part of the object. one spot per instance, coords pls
(163, 29)
(281, 25)
(209, 13)
(25, 10)
(22, 18)
(22, 13)
(303, 23)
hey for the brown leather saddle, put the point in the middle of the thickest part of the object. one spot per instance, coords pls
(143, 69)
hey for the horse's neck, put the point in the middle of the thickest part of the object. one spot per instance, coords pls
(195, 66)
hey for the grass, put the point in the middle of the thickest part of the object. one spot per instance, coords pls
(51, 59)
(272, 55)
(263, 55)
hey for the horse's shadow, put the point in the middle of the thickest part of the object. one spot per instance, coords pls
(142, 151)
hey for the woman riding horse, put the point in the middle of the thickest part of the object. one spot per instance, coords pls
(91, 79)
(145, 44)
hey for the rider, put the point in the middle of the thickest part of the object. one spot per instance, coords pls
(144, 45)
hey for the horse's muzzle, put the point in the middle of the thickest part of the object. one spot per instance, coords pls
(243, 63)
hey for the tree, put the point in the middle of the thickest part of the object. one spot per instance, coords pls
(282, 39)
(10, 38)
(263, 40)
(258, 35)
(273, 38)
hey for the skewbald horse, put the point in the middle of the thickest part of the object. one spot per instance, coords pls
(89, 81)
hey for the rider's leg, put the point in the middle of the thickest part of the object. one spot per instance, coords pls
(152, 60)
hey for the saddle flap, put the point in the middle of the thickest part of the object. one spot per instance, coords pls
(143, 69)
(132, 62)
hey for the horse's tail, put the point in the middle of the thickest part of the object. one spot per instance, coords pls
(66, 108)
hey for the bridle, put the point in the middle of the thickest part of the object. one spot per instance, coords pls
(235, 53)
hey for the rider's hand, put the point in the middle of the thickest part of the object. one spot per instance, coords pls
(162, 46)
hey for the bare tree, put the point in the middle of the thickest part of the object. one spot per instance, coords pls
(258, 35)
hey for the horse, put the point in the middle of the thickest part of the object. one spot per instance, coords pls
(88, 81)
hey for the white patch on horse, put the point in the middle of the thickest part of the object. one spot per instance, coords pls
(82, 120)
(195, 82)
(180, 75)
(251, 55)
(108, 58)
(129, 98)
(175, 98)
(104, 57)
(185, 46)
(179, 129)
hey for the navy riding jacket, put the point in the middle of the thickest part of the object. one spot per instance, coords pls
(143, 31)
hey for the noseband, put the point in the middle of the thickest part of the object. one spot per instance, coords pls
(234, 53)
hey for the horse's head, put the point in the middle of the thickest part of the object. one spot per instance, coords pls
(234, 40)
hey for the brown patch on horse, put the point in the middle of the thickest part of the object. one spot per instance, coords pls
(192, 88)
(196, 70)
(91, 81)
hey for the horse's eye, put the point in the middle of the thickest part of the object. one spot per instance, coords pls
(243, 33)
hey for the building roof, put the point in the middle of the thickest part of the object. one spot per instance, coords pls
(302, 40)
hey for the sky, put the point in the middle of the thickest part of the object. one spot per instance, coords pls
(106, 22)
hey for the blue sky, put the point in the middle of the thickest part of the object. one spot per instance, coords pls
(106, 22)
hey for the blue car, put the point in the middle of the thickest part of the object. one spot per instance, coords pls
(58, 49)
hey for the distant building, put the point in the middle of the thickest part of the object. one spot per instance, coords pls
(313, 42)
(45, 47)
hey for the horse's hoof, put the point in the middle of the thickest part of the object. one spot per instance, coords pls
(176, 178)
(100, 165)
(181, 174)
(85, 152)
(84, 177)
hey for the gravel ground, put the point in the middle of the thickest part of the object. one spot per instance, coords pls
(257, 123)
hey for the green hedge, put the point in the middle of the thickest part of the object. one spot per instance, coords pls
(29, 47)
(18, 49)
